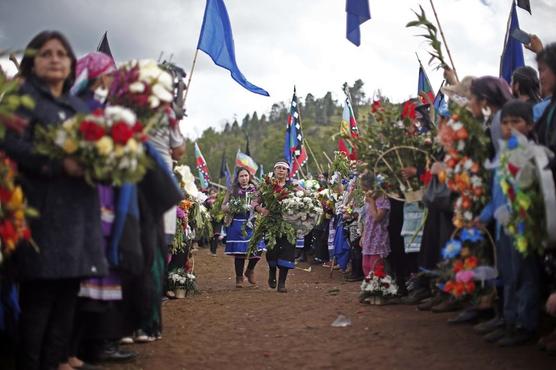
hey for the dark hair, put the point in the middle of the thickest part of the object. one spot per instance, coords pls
(367, 180)
(494, 90)
(28, 61)
(518, 108)
(528, 81)
(235, 186)
(548, 57)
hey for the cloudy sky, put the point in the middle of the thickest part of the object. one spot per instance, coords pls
(279, 43)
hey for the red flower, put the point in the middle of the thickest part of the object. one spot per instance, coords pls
(138, 127)
(121, 133)
(511, 193)
(426, 178)
(470, 287)
(457, 266)
(408, 111)
(91, 131)
(7, 231)
(98, 112)
(376, 106)
(471, 263)
(513, 169)
(5, 195)
(379, 270)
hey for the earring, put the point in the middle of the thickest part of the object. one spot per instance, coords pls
(487, 112)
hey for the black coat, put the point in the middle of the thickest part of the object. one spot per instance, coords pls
(68, 230)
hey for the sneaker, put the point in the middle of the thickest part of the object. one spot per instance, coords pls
(489, 326)
(142, 337)
(126, 340)
(516, 337)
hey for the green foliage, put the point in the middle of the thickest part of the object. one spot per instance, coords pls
(320, 117)
(431, 35)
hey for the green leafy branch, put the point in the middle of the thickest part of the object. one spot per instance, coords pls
(431, 35)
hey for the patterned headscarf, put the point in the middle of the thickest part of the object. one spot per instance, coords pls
(91, 66)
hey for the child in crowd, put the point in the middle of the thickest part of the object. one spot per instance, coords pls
(519, 273)
(375, 242)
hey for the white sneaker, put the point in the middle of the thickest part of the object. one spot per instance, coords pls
(126, 340)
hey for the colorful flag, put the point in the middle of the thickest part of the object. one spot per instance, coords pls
(294, 150)
(348, 130)
(524, 4)
(424, 85)
(440, 104)
(217, 41)
(358, 12)
(104, 47)
(512, 56)
(245, 161)
(202, 167)
(225, 171)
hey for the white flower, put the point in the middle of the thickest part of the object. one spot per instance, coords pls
(137, 87)
(60, 138)
(299, 193)
(461, 145)
(162, 93)
(457, 126)
(154, 102)
(117, 113)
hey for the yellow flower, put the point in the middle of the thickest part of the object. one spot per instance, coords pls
(69, 124)
(505, 187)
(105, 145)
(522, 244)
(132, 145)
(16, 198)
(70, 146)
(19, 215)
(119, 150)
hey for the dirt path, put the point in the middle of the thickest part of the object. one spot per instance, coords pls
(257, 328)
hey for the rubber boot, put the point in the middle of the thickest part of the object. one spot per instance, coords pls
(272, 277)
(283, 274)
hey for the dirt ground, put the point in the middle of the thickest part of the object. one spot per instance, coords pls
(258, 328)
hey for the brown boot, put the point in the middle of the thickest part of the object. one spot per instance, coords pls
(250, 275)
(239, 281)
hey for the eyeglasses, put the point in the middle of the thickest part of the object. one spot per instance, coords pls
(50, 54)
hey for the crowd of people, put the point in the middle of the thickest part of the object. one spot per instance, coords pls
(95, 273)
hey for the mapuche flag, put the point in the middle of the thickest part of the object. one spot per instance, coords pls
(294, 150)
(348, 130)
(245, 161)
(424, 86)
(202, 167)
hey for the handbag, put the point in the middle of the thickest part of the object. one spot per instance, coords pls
(437, 195)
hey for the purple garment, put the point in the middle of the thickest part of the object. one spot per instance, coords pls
(106, 288)
(375, 234)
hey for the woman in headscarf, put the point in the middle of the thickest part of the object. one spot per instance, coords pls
(282, 256)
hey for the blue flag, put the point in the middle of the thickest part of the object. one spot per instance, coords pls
(358, 12)
(217, 41)
(512, 58)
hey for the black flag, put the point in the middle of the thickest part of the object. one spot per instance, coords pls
(104, 47)
(525, 4)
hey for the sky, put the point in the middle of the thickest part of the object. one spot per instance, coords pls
(279, 44)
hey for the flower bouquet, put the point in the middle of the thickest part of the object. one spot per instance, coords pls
(272, 227)
(13, 211)
(183, 283)
(108, 143)
(465, 144)
(184, 233)
(302, 211)
(376, 287)
(524, 218)
(466, 262)
(145, 88)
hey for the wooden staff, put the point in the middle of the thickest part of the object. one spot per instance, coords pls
(190, 75)
(327, 157)
(444, 39)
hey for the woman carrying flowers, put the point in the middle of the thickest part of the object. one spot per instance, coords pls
(237, 205)
(282, 255)
(68, 231)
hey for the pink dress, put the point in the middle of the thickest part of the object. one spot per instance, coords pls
(375, 240)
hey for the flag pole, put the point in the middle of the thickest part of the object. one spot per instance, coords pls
(190, 75)
(444, 39)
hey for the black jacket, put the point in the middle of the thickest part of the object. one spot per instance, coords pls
(68, 230)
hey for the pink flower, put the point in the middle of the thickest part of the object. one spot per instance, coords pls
(465, 276)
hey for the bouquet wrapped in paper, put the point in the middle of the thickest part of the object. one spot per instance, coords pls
(108, 144)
